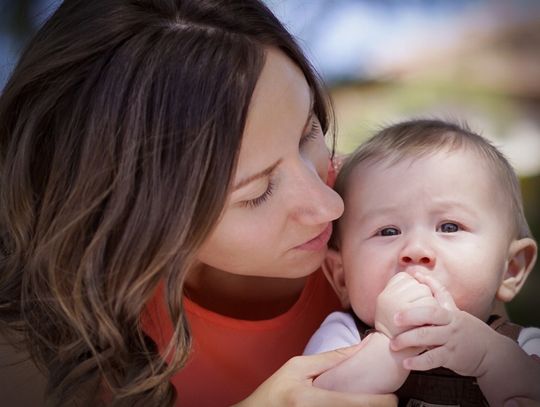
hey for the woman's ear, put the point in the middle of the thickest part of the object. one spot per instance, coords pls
(334, 272)
(521, 258)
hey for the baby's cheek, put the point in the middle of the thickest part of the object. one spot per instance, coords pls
(363, 305)
(474, 301)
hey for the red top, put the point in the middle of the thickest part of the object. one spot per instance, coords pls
(231, 357)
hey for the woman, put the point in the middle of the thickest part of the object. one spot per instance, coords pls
(151, 149)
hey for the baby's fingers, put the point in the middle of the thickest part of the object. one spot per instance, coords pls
(422, 337)
(399, 278)
(425, 315)
(441, 294)
(430, 359)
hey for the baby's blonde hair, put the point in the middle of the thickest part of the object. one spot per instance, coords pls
(420, 137)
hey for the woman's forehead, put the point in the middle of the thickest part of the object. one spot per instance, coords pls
(279, 109)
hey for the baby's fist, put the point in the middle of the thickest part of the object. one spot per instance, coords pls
(402, 292)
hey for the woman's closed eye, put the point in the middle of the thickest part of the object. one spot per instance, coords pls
(255, 202)
(314, 132)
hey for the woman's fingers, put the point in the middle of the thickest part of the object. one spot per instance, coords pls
(292, 385)
(326, 398)
(313, 365)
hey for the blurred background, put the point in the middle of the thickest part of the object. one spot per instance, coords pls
(387, 60)
(469, 60)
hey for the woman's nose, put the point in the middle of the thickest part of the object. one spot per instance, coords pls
(417, 252)
(315, 202)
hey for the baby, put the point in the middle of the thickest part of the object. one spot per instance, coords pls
(432, 243)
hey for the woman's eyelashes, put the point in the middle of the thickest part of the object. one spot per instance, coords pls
(314, 131)
(255, 202)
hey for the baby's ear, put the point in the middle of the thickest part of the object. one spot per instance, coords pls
(333, 270)
(521, 258)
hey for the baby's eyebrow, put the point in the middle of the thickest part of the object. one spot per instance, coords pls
(380, 210)
(267, 171)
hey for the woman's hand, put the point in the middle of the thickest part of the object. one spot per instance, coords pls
(292, 385)
(373, 369)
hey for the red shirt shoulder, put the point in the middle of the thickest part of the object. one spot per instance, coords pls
(231, 357)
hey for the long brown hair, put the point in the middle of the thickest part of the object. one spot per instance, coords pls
(119, 134)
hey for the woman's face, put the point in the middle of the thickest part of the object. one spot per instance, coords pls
(277, 220)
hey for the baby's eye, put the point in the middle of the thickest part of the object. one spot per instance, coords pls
(449, 227)
(389, 231)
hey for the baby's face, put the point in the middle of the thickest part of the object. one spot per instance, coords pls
(441, 214)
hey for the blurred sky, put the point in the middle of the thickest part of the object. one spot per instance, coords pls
(355, 39)
(345, 39)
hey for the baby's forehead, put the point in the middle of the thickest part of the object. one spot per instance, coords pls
(412, 154)
(455, 174)
(387, 160)
(370, 173)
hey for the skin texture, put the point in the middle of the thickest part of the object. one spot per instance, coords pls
(426, 253)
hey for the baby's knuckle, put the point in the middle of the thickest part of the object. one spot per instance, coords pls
(422, 333)
(430, 359)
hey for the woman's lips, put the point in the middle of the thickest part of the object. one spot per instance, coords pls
(319, 242)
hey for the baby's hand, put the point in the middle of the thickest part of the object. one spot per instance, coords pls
(459, 341)
(456, 339)
(402, 292)
(373, 369)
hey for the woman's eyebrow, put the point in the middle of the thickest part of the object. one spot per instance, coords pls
(260, 174)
